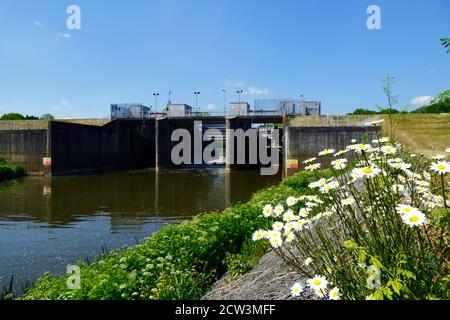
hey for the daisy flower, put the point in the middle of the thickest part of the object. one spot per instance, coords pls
(278, 210)
(309, 160)
(258, 235)
(347, 202)
(317, 283)
(334, 294)
(388, 150)
(370, 172)
(405, 209)
(307, 261)
(447, 150)
(296, 289)
(339, 164)
(278, 226)
(441, 167)
(289, 216)
(415, 218)
(374, 122)
(275, 242)
(438, 157)
(326, 152)
(313, 167)
(290, 201)
(304, 212)
(267, 210)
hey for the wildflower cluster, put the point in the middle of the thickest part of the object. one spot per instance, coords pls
(382, 209)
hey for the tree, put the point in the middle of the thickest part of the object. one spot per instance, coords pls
(392, 99)
(446, 43)
(12, 116)
(47, 116)
(441, 96)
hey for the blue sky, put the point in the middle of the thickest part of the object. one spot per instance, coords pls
(126, 50)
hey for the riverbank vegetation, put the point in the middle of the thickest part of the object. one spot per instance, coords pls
(8, 171)
(180, 261)
(377, 229)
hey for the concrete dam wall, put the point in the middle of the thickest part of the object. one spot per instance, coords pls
(65, 148)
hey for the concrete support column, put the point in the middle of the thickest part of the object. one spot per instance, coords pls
(286, 149)
(228, 144)
(162, 143)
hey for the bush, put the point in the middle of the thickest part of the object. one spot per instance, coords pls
(377, 229)
(8, 171)
(178, 262)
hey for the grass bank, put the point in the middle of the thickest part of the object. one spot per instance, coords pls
(180, 261)
(8, 171)
(425, 133)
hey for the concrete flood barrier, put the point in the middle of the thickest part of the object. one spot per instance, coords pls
(302, 143)
(64, 148)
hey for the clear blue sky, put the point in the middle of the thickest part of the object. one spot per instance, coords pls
(126, 50)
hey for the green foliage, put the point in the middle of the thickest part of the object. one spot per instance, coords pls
(446, 43)
(47, 116)
(360, 111)
(440, 106)
(17, 116)
(178, 262)
(239, 264)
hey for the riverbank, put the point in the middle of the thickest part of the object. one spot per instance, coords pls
(180, 261)
(9, 171)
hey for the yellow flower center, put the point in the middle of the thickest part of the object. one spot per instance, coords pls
(407, 209)
(441, 167)
(414, 219)
(367, 170)
(317, 282)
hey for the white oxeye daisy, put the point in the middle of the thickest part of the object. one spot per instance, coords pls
(317, 283)
(304, 212)
(290, 201)
(438, 157)
(313, 167)
(275, 242)
(370, 172)
(388, 150)
(326, 152)
(353, 141)
(405, 209)
(347, 202)
(258, 235)
(447, 150)
(296, 289)
(309, 160)
(334, 294)
(289, 215)
(307, 261)
(267, 210)
(290, 236)
(415, 218)
(278, 210)
(339, 164)
(441, 167)
(374, 122)
(278, 226)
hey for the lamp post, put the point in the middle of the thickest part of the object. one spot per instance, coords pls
(239, 92)
(196, 99)
(224, 102)
(156, 94)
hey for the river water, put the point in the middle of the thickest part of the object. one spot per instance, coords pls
(48, 223)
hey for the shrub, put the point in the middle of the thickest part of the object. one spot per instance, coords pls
(373, 230)
(178, 262)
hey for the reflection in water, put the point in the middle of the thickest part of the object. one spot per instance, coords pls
(47, 223)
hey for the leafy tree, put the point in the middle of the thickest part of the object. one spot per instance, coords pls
(12, 116)
(47, 116)
(27, 117)
(446, 43)
(392, 98)
(360, 111)
(441, 96)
